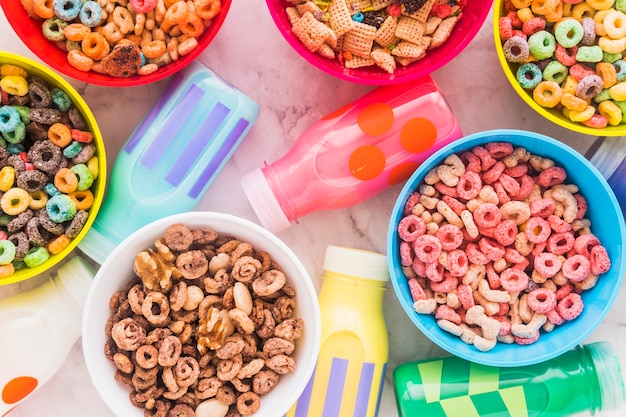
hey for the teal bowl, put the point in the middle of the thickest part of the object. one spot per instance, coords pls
(607, 223)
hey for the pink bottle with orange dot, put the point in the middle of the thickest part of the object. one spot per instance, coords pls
(353, 153)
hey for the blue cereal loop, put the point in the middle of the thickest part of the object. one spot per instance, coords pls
(51, 190)
(36, 256)
(620, 69)
(90, 14)
(7, 252)
(72, 149)
(529, 75)
(67, 9)
(9, 119)
(60, 99)
(15, 148)
(60, 208)
(358, 17)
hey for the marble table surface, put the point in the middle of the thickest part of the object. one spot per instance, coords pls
(292, 95)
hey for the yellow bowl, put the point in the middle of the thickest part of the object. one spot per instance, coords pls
(554, 115)
(54, 80)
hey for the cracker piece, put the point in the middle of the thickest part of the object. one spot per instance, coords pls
(431, 24)
(423, 12)
(339, 18)
(326, 51)
(360, 39)
(386, 33)
(311, 32)
(292, 14)
(381, 4)
(357, 5)
(410, 29)
(443, 31)
(408, 49)
(384, 59)
(406, 61)
(358, 62)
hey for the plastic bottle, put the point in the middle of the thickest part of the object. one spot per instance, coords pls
(353, 153)
(609, 156)
(38, 329)
(350, 370)
(581, 382)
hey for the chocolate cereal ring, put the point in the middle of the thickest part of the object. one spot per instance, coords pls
(77, 224)
(169, 351)
(192, 264)
(20, 240)
(178, 237)
(19, 221)
(248, 403)
(147, 356)
(34, 232)
(39, 93)
(48, 224)
(156, 308)
(31, 180)
(46, 156)
(76, 119)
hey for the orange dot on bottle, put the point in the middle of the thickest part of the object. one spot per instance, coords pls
(418, 135)
(402, 172)
(18, 388)
(376, 119)
(366, 162)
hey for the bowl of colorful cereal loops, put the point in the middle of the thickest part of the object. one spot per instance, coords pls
(201, 314)
(52, 168)
(116, 43)
(379, 42)
(506, 248)
(565, 60)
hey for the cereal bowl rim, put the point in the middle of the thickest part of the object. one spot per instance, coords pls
(552, 115)
(438, 58)
(29, 31)
(97, 311)
(53, 79)
(605, 292)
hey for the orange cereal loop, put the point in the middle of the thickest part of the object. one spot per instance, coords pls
(6, 270)
(186, 46)
(82, 199)
(60, 135)
(192, 25)
(174, 15)
(76, 32)
(207, 9)
(65, 180)
(56, 245)
(79, 60)
(154, 49)
(547, 94)
(607, 72)
(147, 69)
(95, 46)
(10, 69)
(44, 8)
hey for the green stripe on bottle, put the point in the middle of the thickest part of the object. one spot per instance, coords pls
(515, 401)
(431, 373)
(483, 379)
(460, 406)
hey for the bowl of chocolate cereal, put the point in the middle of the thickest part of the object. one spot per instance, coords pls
(203, 314)
(379, 42)
(52, 168)
(116, 44)
(506, 248)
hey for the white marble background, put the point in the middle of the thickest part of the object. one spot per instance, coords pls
(251, 54)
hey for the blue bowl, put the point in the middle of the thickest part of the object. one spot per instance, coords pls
(607, 223)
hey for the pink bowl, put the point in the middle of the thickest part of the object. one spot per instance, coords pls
(474, 14)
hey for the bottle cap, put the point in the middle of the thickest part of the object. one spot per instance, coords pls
(357, 263)
(75, 277)
(609, 373)
(264, 202)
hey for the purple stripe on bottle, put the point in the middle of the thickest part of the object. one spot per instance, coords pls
(174, 122)
(334, 392)
(363, 392)
(222, 153)
(380, 388)
(149, 118)
(302, 406)
(195, 147)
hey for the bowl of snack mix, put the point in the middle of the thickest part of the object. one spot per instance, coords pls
(116, 43)
(53, 168)
(201, 314)
(565, 61)
(506, 248)
(379, 42)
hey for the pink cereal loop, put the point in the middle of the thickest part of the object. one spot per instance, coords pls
(510, 184)
(471, 161)
(558, 225)
(487, 215)
(599, 259)
(492, 277)
(526, 340)
(475, 256)
(427, 248)
(450, 237)
(447, 313)
(458, 263)
(514, 280)
(533, 25)
(505, 27)
(411, 227)
(446, 190)
(486, 160)
(584, 243)
(143, 6)
(517, 171)
(541, 300)
(570, 307)
(526, 187)
(505, 324)
(417, 292)
(537, 230)
(576, 268)
(505, 232)
(406, 254)
(555, 317)
(503, 196)
(513, 256)
(492, 249)
(469, 185)
(454, 204)
(466, 295)
(582, 206)
(448, 284)
(434, 271)
(542, 207)
(419, 267)
(552, 176)
(564, 290)
(560, 243)
(499, 150)
(490, 176)
(413, 199)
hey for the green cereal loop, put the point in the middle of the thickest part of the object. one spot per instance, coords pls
(60, 208)
(53, 29)
(17, 136)
(36, 256)
(607, 57)
(620, 5)
(602, 96)
(555, 71)
(542, 44)
(72, 149)
(60, 99)
(569, 33)
(7, 252)
(17, 265)
(5, 219)
(85, 177)
(622, 107)
(589, 54)
(24, 112)
(73, 45)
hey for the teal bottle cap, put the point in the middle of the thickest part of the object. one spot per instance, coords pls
(357, 263)
(610, 376)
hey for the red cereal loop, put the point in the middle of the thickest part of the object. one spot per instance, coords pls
(537, 230)
(566, 56)
(517, 171)
(541, 300)
(454, 204)
(513, 256)
(599, 259)
(547, 264)
(560, 243)
(506, 28)
(503, 196)
(492, 175)
(522, 265)
(413, 199)
(406, 254)
(505, 232)
(486, 160)
(447, 313)
(458, 263)
(499, 150)
(526, 187)
(446, 190)
(533, 25)
(487, 231)
(466, 295)
(597, 121)
(518, 32)
(564, 290)
(538, 248)
(580, 71)
(417, 292)
(558, 224)
(434, 271)
(471, 161)
(582, 206)
(411, 227)
(492, 249)
(570, 306)
(419, 267)
(555, 317)
(469, 185)
(487, 215)
(515, 20)
(448, 284)
(510, 184)
(552, 176)
(576, 268)
(526, 340)
(450, 237)
(584, 243)
(542, 207)
(474, 255)
(427, 248)
(492, 277)
(505, 324)
(514, 280)
(143, 6)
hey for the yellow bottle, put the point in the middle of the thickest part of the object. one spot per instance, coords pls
(350, 371)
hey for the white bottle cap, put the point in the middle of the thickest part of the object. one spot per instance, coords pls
(75, 278)
(356, 263)
(264, 202)
(610, 376)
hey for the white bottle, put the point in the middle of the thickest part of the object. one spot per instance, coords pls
(38, 329)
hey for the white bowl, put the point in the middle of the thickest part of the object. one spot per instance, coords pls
(117, 270)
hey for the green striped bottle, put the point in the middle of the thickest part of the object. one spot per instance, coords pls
(580, 382)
